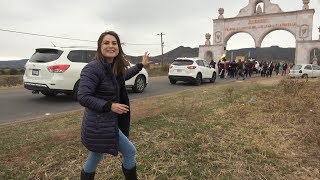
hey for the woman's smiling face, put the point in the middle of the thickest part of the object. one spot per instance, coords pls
(109, 47)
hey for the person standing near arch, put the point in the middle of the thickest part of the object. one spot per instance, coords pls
(212, 63)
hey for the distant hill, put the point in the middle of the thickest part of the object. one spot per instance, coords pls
(13, 63)
(273, 53)
(170, 56)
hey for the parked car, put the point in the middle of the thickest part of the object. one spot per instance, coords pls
(56, 70)
(305, 71)
(192, 70)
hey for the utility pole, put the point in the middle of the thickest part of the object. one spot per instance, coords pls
(162, 43)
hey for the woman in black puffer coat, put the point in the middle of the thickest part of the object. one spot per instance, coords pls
(106, 119)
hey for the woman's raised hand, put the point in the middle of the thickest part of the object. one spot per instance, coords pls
(146, 59)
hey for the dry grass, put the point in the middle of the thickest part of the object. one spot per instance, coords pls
(10, 81)
(256, 129)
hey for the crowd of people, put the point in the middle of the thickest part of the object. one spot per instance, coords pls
(245, 68)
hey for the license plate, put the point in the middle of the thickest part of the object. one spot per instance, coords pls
(35, 72)
(179, 70)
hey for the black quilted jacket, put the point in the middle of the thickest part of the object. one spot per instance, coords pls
(98, 88)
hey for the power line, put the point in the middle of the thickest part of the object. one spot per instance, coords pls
(67, 38)
(134, 44)
(43, 35)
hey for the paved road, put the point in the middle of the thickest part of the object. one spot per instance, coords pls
(21, 104)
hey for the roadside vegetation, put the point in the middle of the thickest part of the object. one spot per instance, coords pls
(11, 71)
(158, 71)
(251, 129)
(11, 77)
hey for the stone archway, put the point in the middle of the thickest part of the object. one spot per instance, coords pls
(258, 21)
(227, 38)
(263, 36)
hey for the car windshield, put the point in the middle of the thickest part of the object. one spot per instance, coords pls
(297, 67)
(45, 55)
(181, 62)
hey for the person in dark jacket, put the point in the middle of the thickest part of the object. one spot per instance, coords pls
(106, 119)
(212, 64)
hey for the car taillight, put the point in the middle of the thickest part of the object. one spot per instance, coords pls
(58, 68)
(170, 67)
(191, 67)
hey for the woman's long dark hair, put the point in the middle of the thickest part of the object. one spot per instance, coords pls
(120, 64)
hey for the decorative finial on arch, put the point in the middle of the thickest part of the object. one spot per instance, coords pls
(208, 36)
(305, 4)
(221, 11)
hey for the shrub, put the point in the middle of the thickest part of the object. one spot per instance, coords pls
(165, 67)
(13, 71)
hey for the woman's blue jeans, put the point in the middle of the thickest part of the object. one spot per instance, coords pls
(126, 148)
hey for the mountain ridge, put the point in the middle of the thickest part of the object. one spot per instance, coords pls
(273, 53)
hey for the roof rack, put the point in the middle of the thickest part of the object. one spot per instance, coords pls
(78, 47)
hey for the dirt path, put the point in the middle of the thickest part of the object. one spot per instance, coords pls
(265, 81)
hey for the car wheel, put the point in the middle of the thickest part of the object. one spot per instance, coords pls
(213, 78)
(198, 79)
(305, 76)
(75, 91)
(48, 94)
(172, 81)
(139, 84)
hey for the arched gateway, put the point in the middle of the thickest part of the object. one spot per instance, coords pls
(258, 19)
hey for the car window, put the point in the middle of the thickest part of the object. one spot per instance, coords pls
(297, 67)
(316, 67)
(180, 62)
(308, 67)
(45, 55)
(90, 55)
(206, 63)
(77, 56)
(200, 62)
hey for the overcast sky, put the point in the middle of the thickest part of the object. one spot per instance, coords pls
(138, 22)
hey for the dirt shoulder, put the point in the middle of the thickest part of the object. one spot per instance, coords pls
(265, 81)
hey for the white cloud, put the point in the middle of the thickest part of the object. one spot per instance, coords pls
(138, 22)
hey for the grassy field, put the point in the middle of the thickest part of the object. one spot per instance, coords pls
(253, 129)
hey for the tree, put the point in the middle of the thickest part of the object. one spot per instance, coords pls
(13, 71)
(21, 71)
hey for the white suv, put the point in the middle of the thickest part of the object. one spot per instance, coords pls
(193, 70)
(56, 70)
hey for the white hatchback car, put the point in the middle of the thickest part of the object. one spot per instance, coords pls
(305, 70)
(193, 70)
(56, 70)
